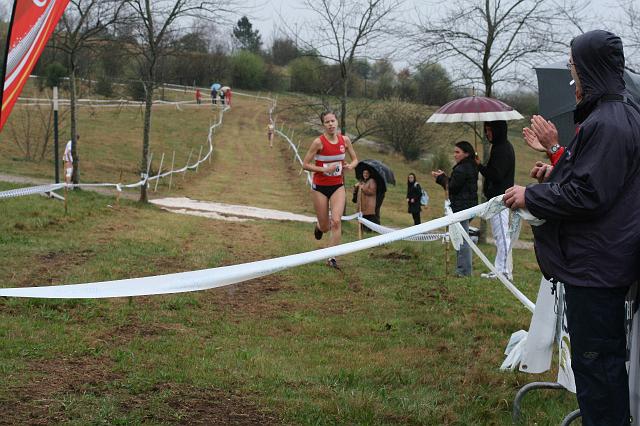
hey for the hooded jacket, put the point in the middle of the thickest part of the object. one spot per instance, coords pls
(500, 169)
(591, 199)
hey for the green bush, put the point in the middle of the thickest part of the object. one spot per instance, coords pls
(135, 89)
(306, 75)
(403, 127)
(248, 70)
(54, 73)
(104, 87)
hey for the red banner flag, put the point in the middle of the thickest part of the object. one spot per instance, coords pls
(32, 23)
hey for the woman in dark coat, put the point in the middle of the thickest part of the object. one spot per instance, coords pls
(463, 194)
(414, 192)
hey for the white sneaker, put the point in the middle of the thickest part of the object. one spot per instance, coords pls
(489, 275)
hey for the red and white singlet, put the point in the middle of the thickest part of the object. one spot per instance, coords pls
(330, 154)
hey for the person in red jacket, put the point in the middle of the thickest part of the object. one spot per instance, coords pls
(326, 159)
(227, 96)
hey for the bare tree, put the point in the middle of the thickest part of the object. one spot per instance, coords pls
(631, 33)
(31, 130)
(342, 32)
(489, 42)
(79, 29)
(157, 30)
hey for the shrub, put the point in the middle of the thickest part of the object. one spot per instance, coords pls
(403, 127)
(306, 75)
(248, 70)
(54, 73)
(135, 89)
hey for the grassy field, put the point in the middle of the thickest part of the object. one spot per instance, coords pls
(391, 340)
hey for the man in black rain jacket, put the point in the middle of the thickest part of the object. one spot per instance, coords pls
(591, 238)
(498, 176)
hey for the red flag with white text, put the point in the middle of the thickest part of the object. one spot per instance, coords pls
(32, 23)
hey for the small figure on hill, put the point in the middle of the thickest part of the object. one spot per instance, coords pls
(227, 96)
(326, 158)
(221, 95)
(270, 130)
(67, 158)
(462, 188)
(214, 94)
(198, 96)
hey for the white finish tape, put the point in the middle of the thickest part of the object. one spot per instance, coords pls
(226, 275)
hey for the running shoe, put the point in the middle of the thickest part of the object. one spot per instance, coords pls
(317, 232)
(332, 263)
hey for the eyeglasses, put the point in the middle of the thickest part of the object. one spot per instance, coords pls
(570, 65)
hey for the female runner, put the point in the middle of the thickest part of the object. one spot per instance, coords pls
(325, 158)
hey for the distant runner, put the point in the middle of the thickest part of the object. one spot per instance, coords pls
(325, 158)
(270, 130)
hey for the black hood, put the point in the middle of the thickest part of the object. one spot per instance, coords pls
(499, 130)
(598, 58)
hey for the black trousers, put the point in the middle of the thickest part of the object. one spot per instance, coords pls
(416, 217)
(596, 322)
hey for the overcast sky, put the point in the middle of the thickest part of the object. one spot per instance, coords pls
(271, 15)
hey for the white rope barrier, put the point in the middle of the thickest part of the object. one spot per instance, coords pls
(227, 275)
(384, 230)
(459, 231)
(118, 186)
(217, 277)
(19, 192)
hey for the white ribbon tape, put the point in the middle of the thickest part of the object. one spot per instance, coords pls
(226, 275)
(19, 192)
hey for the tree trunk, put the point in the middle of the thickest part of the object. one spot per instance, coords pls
(75, 178)
(148, 102)
(343, 105)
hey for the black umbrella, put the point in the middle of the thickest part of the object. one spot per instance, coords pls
(379, 171)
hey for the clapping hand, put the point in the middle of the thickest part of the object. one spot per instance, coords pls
(545, 132)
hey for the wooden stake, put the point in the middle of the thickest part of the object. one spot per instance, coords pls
(159, 172)
(199, 156)
(173, 159)
(187, 168)
(360, 211)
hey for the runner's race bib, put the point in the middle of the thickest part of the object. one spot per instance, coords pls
(338, 171)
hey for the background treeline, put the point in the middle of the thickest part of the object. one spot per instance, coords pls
(203, 56)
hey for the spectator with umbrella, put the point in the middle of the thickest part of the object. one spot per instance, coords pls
(366, 197)
(382, 175)
(214, 92)
(499, 173)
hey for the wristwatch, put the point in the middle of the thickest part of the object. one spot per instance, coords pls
(554, 148)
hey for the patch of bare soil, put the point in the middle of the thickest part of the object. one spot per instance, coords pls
(252, 298)
(188, 405)
(39, 399)
(52, 266)
(392, 255)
